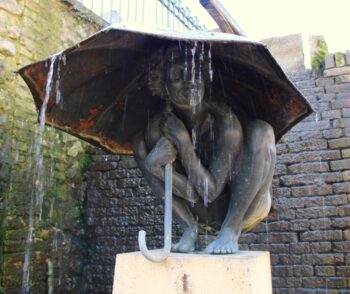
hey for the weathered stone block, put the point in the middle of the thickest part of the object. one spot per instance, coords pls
(343, 271)
(299, 248)
(339, 59)
(343, 164)
(316, 212)
(344, 210)
(312, 126)
(288, 51)
(329, 61)
(281, 237)
(343, 246)
(323, 259)
(339, 88)
(284, 203)
(325, 271)
(346, 234)
(341, 123)
(333, 133)
(320, 247)
(342, 79)
(345, 153)
(312, 190)
(308, 167)
(346, 112)
(341, 103)
(339, 143)
(309, 156)
(341, 223)
(282, 271)
(347, 57)
(331, 114)
(299, 225)
(334, 200)
(314, 282)
(307, 145)
(337, 71)
(312, 91)
(320, 82)
(289, 282)
(320, 224)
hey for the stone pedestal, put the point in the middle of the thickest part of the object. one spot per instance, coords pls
(244, 272)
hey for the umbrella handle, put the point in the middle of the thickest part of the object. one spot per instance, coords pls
(161, 254)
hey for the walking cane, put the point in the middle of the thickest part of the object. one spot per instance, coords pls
(161, 254)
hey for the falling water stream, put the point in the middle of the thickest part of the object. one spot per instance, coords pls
(38, 179)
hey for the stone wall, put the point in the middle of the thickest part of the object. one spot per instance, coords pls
(307, 231)
(29, 31)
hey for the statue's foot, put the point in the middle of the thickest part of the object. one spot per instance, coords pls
(187, 242)
(225, 243)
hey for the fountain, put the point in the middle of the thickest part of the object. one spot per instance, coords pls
(208, 107)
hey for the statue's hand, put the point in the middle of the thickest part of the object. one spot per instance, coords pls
(162, 153)
(174, 129)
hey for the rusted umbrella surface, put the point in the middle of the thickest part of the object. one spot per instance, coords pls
(99, 89)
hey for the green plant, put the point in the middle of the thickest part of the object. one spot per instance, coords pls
(318, 60)
(85, 162)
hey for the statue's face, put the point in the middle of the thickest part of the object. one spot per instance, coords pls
(181, 87)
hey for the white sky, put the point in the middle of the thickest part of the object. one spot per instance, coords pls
(269, 18)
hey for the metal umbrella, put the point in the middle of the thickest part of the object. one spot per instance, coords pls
(98, 90)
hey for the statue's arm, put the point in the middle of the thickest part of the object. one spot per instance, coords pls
(228, 141)
(155, 174)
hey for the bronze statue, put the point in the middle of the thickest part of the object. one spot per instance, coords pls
(221, 167)
(216, 131)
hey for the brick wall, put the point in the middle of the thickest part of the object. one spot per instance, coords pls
(29, 31)
(307, 231)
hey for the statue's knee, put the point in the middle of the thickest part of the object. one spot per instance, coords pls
(260, 135)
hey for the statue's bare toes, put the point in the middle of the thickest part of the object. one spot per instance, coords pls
(222, 246)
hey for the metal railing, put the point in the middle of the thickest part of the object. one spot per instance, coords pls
(167, 14)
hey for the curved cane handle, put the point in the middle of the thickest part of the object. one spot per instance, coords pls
(162, 254)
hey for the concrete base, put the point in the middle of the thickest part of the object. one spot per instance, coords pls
(243, 272)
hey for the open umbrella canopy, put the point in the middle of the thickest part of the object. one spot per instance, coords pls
(98, 89)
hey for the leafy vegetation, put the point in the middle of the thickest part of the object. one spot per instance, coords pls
(318, 60)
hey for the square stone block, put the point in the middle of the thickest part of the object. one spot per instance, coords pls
(240, 273)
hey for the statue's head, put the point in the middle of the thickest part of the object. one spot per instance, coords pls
(181, 75)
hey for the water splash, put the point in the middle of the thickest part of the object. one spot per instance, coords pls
(201, 60)
(38, 179)
(210, 68)
(189, 192)
(193, 63)
(194, 137)
(185, 69)
(124, 112)
(57, 86)
(39, 158)
(27, 253)
(206, 193)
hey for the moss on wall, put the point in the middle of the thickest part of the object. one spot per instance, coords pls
(30, 31)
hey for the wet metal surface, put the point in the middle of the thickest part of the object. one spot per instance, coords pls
(104, 97)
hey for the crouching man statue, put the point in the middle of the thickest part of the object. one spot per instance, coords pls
(222, 170)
